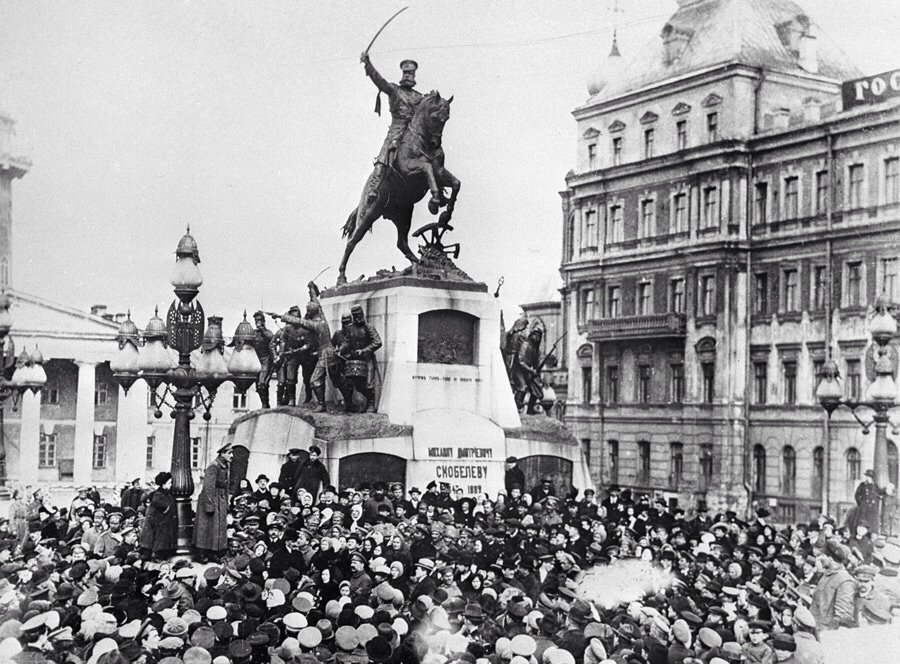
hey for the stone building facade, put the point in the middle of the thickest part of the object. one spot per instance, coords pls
(727, 226)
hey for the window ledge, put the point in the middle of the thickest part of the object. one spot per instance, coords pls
(856, 310)
(706, 319)
(790, 316)
(760, 319)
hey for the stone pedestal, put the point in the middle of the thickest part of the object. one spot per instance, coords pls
(446, 412)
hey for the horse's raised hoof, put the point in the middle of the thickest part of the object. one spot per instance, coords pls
(434, 205)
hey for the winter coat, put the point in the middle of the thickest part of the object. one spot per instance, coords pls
(312, 476)
(160, 528)
(212, 508)
(834, 599)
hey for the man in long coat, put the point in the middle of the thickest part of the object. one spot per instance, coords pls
(212, 507)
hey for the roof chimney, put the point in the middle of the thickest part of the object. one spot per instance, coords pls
(98, 309)
(812, 109)
(808, 53)
(781, 118)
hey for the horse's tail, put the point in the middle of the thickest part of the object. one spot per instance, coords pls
(350, 224)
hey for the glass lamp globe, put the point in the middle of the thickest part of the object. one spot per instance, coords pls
(40, 376)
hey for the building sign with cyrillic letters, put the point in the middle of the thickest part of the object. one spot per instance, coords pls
(871, 89)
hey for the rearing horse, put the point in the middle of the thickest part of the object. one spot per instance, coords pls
(417, 168)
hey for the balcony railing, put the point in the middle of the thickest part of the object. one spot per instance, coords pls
(638, 327)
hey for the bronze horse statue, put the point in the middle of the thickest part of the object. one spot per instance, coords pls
(417, 167)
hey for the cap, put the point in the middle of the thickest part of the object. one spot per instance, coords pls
(408, 65)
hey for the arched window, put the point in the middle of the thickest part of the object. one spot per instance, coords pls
(759, 469)
(818, 477)
(789, 470)
(854, 469)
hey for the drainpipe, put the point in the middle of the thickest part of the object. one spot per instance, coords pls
(829, 310)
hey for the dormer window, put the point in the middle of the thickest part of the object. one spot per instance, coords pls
(675, 41)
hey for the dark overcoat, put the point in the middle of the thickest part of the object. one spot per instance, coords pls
(212, 508)
(160, 528)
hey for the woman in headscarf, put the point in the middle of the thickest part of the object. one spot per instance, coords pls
(160, 528)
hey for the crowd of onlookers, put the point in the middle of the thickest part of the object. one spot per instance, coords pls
(387, 573)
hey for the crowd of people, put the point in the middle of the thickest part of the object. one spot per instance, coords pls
(307, 574)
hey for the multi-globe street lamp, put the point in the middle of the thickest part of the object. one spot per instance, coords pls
(202, 365)
(17, 374)
(881, 396)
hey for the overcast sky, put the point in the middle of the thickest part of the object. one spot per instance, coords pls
(253, 122)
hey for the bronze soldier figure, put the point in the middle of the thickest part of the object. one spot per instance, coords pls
(337, 340)
(315, 323)
(514, 340)
(361, 340)
(526, 373)
(262, 343)
(402, 101)
(287, 344)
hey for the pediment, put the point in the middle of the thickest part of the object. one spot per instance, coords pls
(592, 132)
(712, 100)
(585, 350)
(617, 125)
(681, 108)
(649, 117)
(34, 314)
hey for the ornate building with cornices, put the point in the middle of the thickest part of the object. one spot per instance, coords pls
(727, 227)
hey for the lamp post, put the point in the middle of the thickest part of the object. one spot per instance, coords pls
(17, 374)
(189, 377)
(881, 395)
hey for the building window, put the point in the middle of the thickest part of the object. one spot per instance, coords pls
(759, 469)
(648, 218)
(195, 453)
(643, 304)
(761, 202)
(587, 312)
(592, 156)
(47, 450)
(818, 476)
(643, 474)
(587, 380)
(612, 384)
(649, 137)
(789, 370)
(773, 208)
(789, 471)
(707, 295)
(617, 151)
(854, 297)
(239, 401)
(788, 512)
(892, 180)
(586, 449)
(710, 207)
(681, 213)
(856, 178)
(681, 134)
(822, 192)
(676, 296)
(676, 464)
(50, 395)
(151, 443)
(614, 225)
(676, 386)
(712, 127)
(854, 469)
(644, 372)
(791, 198)
(101, 394)
(590, 229)
(789, 299)
(706, 466)
(99, 455)
(761, 293)
(889, 281)
(854, 380)
(708, 386)
(819, 287)
(760, 381)
(613, 447)
(613, 301)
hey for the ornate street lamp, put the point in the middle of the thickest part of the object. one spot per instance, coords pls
(17, 374)
(881, 396)
(187, 378)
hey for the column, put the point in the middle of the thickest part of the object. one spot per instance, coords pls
(29, 441)
(84, 422)
(131, 433)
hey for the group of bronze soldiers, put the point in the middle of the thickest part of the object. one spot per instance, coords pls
(306, 346)
(522, 355)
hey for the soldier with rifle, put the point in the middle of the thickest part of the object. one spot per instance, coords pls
(320, 338)
(262, 344)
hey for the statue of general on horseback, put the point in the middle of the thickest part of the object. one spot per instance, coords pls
(409, 165)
